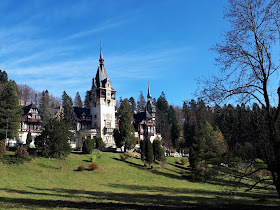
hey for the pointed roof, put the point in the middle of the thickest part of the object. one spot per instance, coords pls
(101, 74)
(101, 60)
(149, 96)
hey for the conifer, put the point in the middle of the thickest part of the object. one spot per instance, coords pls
(10, 112)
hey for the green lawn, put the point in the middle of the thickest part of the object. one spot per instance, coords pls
(50, 183)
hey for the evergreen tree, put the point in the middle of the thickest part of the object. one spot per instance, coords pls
(10, 112)
(68, 111)
(87, 100)
(28, 139)
(125, 125)
(3, 77)
(44, 107)
(158, 150)
(149, 152)
(78, 101)
(54, 140)
(99, 143)
(141, 103)
(117, 138)
(88, 145)
(175, 129)
(143, 150)
(132, 104)
(162, 120)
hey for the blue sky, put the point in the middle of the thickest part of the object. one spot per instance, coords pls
(55, 45)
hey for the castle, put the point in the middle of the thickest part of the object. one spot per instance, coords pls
(100, 118)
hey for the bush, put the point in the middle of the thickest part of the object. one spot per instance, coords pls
(21, 153)
(92, 158)
(184, 161)
(81, 168)
(2, 148)
(123, 157)
(92, 167)
(88, 146)
(99, 143)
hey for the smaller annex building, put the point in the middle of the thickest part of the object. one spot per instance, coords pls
(30, 122)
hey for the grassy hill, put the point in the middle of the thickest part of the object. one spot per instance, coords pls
(50, 183)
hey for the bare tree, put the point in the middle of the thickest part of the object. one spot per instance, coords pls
(25, 93)
(249, 64)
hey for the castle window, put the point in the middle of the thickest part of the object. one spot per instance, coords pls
(95, 116)
(108, 124)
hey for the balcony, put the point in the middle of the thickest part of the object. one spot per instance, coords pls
(32, 120)
(109, 130)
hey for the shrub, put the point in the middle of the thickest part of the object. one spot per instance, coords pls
(123, 157)
(92, 158)
(88, 146)
(21, 153)
(2, 148)
(81, 168)
(93, 166)
(183, 161)
(99, 143)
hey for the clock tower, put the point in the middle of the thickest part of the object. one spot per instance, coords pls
(103, 104)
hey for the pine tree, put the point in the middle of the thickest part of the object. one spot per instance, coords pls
(162, 120)
(28, 139)
(117, 138)
(99, 144)
(44, 108)
(3, 77)
(158, 150)
(141, 103)
(10, 112)
(143, 151)
(78, 101)
(149, 152)
(88, 146)
(175, 129)
(68, 111)
(125, 125)
(54, 140)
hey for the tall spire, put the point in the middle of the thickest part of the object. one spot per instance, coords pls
(101, 60)
(149, 96)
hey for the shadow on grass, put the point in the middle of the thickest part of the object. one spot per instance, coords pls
(178, 166)
(11, 159)
(214, 181)
(151, 199)
(154, 171)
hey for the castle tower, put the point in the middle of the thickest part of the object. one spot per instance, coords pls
(103, 104)
(150, 107)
